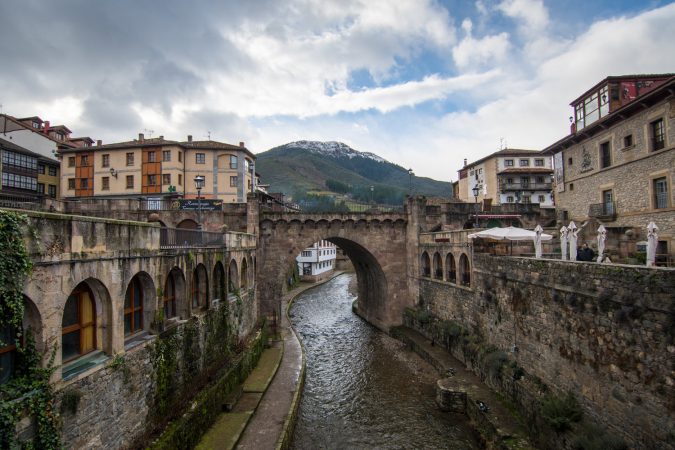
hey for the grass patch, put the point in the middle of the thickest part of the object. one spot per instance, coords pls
(262, 375)
(225, 433)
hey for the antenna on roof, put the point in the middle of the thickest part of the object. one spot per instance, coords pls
(502, 143)
(145, 130)
(208, 135)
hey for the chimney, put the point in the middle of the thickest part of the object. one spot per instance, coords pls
(189, 138)
(161, 138)
(464, 162)
(241, 144)
(140, 137)
(46, 127)
(99, 143)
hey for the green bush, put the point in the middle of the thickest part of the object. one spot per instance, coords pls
(591, 437)
(561, 412)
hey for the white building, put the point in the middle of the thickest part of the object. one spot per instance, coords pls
(317, 262)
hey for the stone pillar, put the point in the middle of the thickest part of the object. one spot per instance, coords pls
(252, 214)
(448, 398)
(414, 209)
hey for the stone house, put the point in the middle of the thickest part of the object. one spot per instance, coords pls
(616, 166)
(158, 168)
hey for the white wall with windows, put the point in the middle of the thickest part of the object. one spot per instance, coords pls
(317, 259)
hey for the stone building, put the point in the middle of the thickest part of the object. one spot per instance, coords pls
(616, 166)
(158, 168)
(508, 176)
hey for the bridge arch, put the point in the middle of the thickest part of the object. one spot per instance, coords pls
(376, 250)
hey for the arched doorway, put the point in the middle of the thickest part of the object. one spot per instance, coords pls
(243, 280)
(464, 270)
(438, 266)
(425, 265)
(452, 269)
(173, 300)
(232, 277)
(187, 224)
(219, 281)
(200, 287)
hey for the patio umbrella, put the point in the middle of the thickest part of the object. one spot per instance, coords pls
(602, 235)
(564, 232)
(573, 232)
(652, 240)
(537, 241)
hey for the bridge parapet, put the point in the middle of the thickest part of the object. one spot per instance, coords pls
(240, 241)
(65, 237)
(330, 217)
(452, 237)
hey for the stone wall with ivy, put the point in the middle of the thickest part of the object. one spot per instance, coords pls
(605, 333)
(130, 400)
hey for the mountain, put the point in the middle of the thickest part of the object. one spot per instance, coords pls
(325, 168)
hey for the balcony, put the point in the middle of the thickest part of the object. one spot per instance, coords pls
(606, 210)
(518, 186)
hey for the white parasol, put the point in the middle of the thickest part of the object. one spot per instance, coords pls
(602, 235)
(573, 232)
(652, 241)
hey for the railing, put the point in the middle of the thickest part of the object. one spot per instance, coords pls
(505, 186)
(602, 210)
(182, 238)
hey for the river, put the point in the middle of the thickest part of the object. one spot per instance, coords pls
(364, 389)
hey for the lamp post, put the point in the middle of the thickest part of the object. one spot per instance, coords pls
(372, 193)
(199, 184)
(476, 190)
(410, 175)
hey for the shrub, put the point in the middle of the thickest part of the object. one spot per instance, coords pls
(591, 437)
(560, 412)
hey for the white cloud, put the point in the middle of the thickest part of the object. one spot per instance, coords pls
(531, 14)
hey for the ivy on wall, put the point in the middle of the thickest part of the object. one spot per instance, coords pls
(29, 390)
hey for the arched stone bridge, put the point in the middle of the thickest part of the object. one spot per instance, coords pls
(376, 243)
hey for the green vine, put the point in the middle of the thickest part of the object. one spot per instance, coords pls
(15, 266)
(165, 362)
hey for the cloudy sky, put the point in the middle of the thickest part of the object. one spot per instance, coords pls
(422, 83)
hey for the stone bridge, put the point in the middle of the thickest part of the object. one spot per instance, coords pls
(377, 244)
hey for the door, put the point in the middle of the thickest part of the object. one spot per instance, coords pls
(607, 203)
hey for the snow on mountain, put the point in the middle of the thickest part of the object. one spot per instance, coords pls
(334, 149)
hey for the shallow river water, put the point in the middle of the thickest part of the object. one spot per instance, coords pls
(363, 388)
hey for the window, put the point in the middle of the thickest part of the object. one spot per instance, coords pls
(166, 178)
(658, 135)
(540, 180)
(527, 199)
(105, 183)
(607, 202)
(306, 254)
(471, 173)
(71, 183)
(605, 155)
(569, 161)
(20, 161)
(7, 352)
(130, 181)
(133, 308)
(200, 158)
(151, 157)
(52, 190)
(508, 162)
(509, 180)
(571, 186)
(71, 161)
(525, 182)
(542, 199)
(233, 162)
(180, 156)
(180, 179)
(41, 188)
(524, 162)
(166, 155)
(130, 159)
(19, 181)
(84, 160)
(233, 181)
(52, 171)
(78, 335)
(41, 169)
(539, 162)
(152, 180)
(628, 141)
(660, 193)
(84, 183)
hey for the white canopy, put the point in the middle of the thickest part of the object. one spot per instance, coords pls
(510, 233)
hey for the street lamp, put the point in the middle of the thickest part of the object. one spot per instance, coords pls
(372, 190)
(476, 190)
(199, 184)
(410, 175)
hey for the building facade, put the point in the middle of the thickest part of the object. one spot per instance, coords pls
(508, 176)
(157, 168)
(317, 261)
(616, 168)
(25, 174)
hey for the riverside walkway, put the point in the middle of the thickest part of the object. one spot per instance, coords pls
(262, 417)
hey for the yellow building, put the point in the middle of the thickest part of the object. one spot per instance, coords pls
(157, 168)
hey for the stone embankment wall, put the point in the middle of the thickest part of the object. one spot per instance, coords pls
(133, 396)
(605, 333)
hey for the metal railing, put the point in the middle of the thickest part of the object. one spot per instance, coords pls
(602, 210)
(183, 238)
(506, 186)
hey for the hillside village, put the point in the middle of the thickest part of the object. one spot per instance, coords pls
(151, 274)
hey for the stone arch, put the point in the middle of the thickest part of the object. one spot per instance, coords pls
(140, 304)
(232, 277)
(173, 298)
(251, 271)
(438, 266)
(200, 288)
(187, 224)
(243, 279)
(218, 278)
(31, 322)
(464, 270)
(425, 265)
(451, 268)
